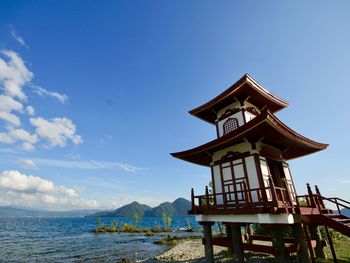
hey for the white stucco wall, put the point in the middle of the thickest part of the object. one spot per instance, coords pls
(241, 147)
(249, 116)
(237, 115)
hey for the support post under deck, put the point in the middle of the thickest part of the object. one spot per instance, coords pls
(229, 235)
(316, 235)
(278, 242)
(237, 243)
(208, 242)
(300, 239)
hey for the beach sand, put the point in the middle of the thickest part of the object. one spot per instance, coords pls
(189, 251)
(192, 251)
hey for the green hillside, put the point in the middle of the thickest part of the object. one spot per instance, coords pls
(132, 209)
(178, 208)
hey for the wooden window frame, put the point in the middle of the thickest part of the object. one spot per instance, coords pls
(232, 124)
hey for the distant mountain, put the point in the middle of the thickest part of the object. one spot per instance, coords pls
(181, 206)
(132, 209)
(12, 212)
(126, 210)
(345, 212)
(166, 208)
(177, 208)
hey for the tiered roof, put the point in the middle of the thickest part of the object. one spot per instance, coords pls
(266, 127)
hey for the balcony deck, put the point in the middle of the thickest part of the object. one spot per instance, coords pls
(272, 199)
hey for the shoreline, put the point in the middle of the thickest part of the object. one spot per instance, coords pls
(188, 250)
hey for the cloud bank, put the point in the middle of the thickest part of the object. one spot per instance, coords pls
(32, 191)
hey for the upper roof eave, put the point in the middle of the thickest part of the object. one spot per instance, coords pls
(202, 111)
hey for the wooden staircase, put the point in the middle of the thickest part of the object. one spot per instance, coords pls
(337, 222)
(317, 214)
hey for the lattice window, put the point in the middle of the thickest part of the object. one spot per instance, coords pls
(230, 125)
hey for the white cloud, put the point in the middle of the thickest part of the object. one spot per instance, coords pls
(14, 135)
(18, 38)
(15, 181)
(30, 110)
(27, 163)
(56, 131)
(7, 106)
(28, 147)
(43, 92)
(90, 165)
(14, 75)
(26, 190)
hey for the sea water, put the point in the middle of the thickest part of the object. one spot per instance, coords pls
(72, 240)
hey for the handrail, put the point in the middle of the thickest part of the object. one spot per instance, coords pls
(335, 201)
(337, 198)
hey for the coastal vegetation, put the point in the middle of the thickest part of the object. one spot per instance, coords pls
(133, 228)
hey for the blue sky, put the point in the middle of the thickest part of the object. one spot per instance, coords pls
(111, 84)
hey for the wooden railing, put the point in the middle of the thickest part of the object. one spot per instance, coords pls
(338, 202)
(316, 200)
(270, 196)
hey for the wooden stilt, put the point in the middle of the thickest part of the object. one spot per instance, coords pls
(208, 242)
(229, 236)
(278, 242)
(316, 235)
(300, 239)
(308, 240)
(249, 233)
(331, 245)
(237, 243)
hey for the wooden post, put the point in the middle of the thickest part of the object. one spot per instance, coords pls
(229, 236)
(237, 243)
(308, 240)
(316, 235)
(330, 241)
(246, 195)
(278, 242)
(192, 199)
(250, 233)
(319, 196)
(300, 239)
(207, 196)
(288, 192)
(311, 196)
(273, 191)
(208, 242)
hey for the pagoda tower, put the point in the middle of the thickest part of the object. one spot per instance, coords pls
(250, 175)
